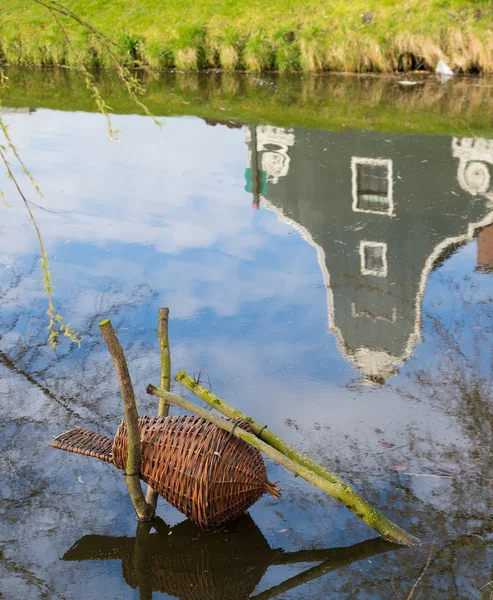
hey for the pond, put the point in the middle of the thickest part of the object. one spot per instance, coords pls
(325, 247)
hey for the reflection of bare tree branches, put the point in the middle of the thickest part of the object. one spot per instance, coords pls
(456, 383)
(462, 378)
(10, 364)
(459, 384)
(75, 380)
(423, 572)
(45, 591)
(77, 387)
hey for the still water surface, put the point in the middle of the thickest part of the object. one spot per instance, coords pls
(337, 286)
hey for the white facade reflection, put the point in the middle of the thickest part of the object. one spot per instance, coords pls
(375, 269)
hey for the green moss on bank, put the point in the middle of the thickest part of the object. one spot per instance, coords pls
(335, 102)
(288, 35)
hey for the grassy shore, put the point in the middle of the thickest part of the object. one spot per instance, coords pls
(287, 35)
(333, 102)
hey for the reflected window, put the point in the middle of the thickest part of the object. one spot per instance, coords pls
(355, 313)
(372, 185)
(373, 257)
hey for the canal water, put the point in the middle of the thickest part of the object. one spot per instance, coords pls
(333, 281)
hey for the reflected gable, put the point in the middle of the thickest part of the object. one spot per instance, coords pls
(339, 191)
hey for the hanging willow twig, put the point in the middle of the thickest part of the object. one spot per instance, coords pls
(12, 147)
(130, 82)
(56, 325)
(134, 88)
(89, 80)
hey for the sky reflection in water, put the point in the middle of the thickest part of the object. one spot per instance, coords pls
(163, 218)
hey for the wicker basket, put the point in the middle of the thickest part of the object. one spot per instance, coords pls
(205, 472)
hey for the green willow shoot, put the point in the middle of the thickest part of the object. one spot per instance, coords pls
(57, 326)
(130, 82)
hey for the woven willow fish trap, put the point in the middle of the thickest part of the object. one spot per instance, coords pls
(205, 472)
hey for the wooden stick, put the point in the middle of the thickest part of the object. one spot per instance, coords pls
(143, 511)
(163, 409)
(258, 429)
(336, 488)
(165, 382)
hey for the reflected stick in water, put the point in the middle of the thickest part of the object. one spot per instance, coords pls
(341, 557)
(226, 565)
(132, 469)
(140, 557)
(163, 409)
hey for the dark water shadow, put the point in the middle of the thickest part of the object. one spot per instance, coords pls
(188, 563)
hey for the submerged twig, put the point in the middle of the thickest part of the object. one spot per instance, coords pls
(428, 475)
(423, 572)
(490, 585)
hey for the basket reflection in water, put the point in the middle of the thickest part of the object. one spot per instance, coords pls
(190, 564)
(206, 473)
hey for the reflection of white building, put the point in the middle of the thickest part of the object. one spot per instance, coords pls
(273, 144)
(475, 171)
(382, 212)
(372, 185)
(268, 151)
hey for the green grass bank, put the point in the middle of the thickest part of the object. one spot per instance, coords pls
(462, 107)
(287, 35)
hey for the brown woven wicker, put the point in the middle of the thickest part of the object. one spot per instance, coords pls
(205, 472)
